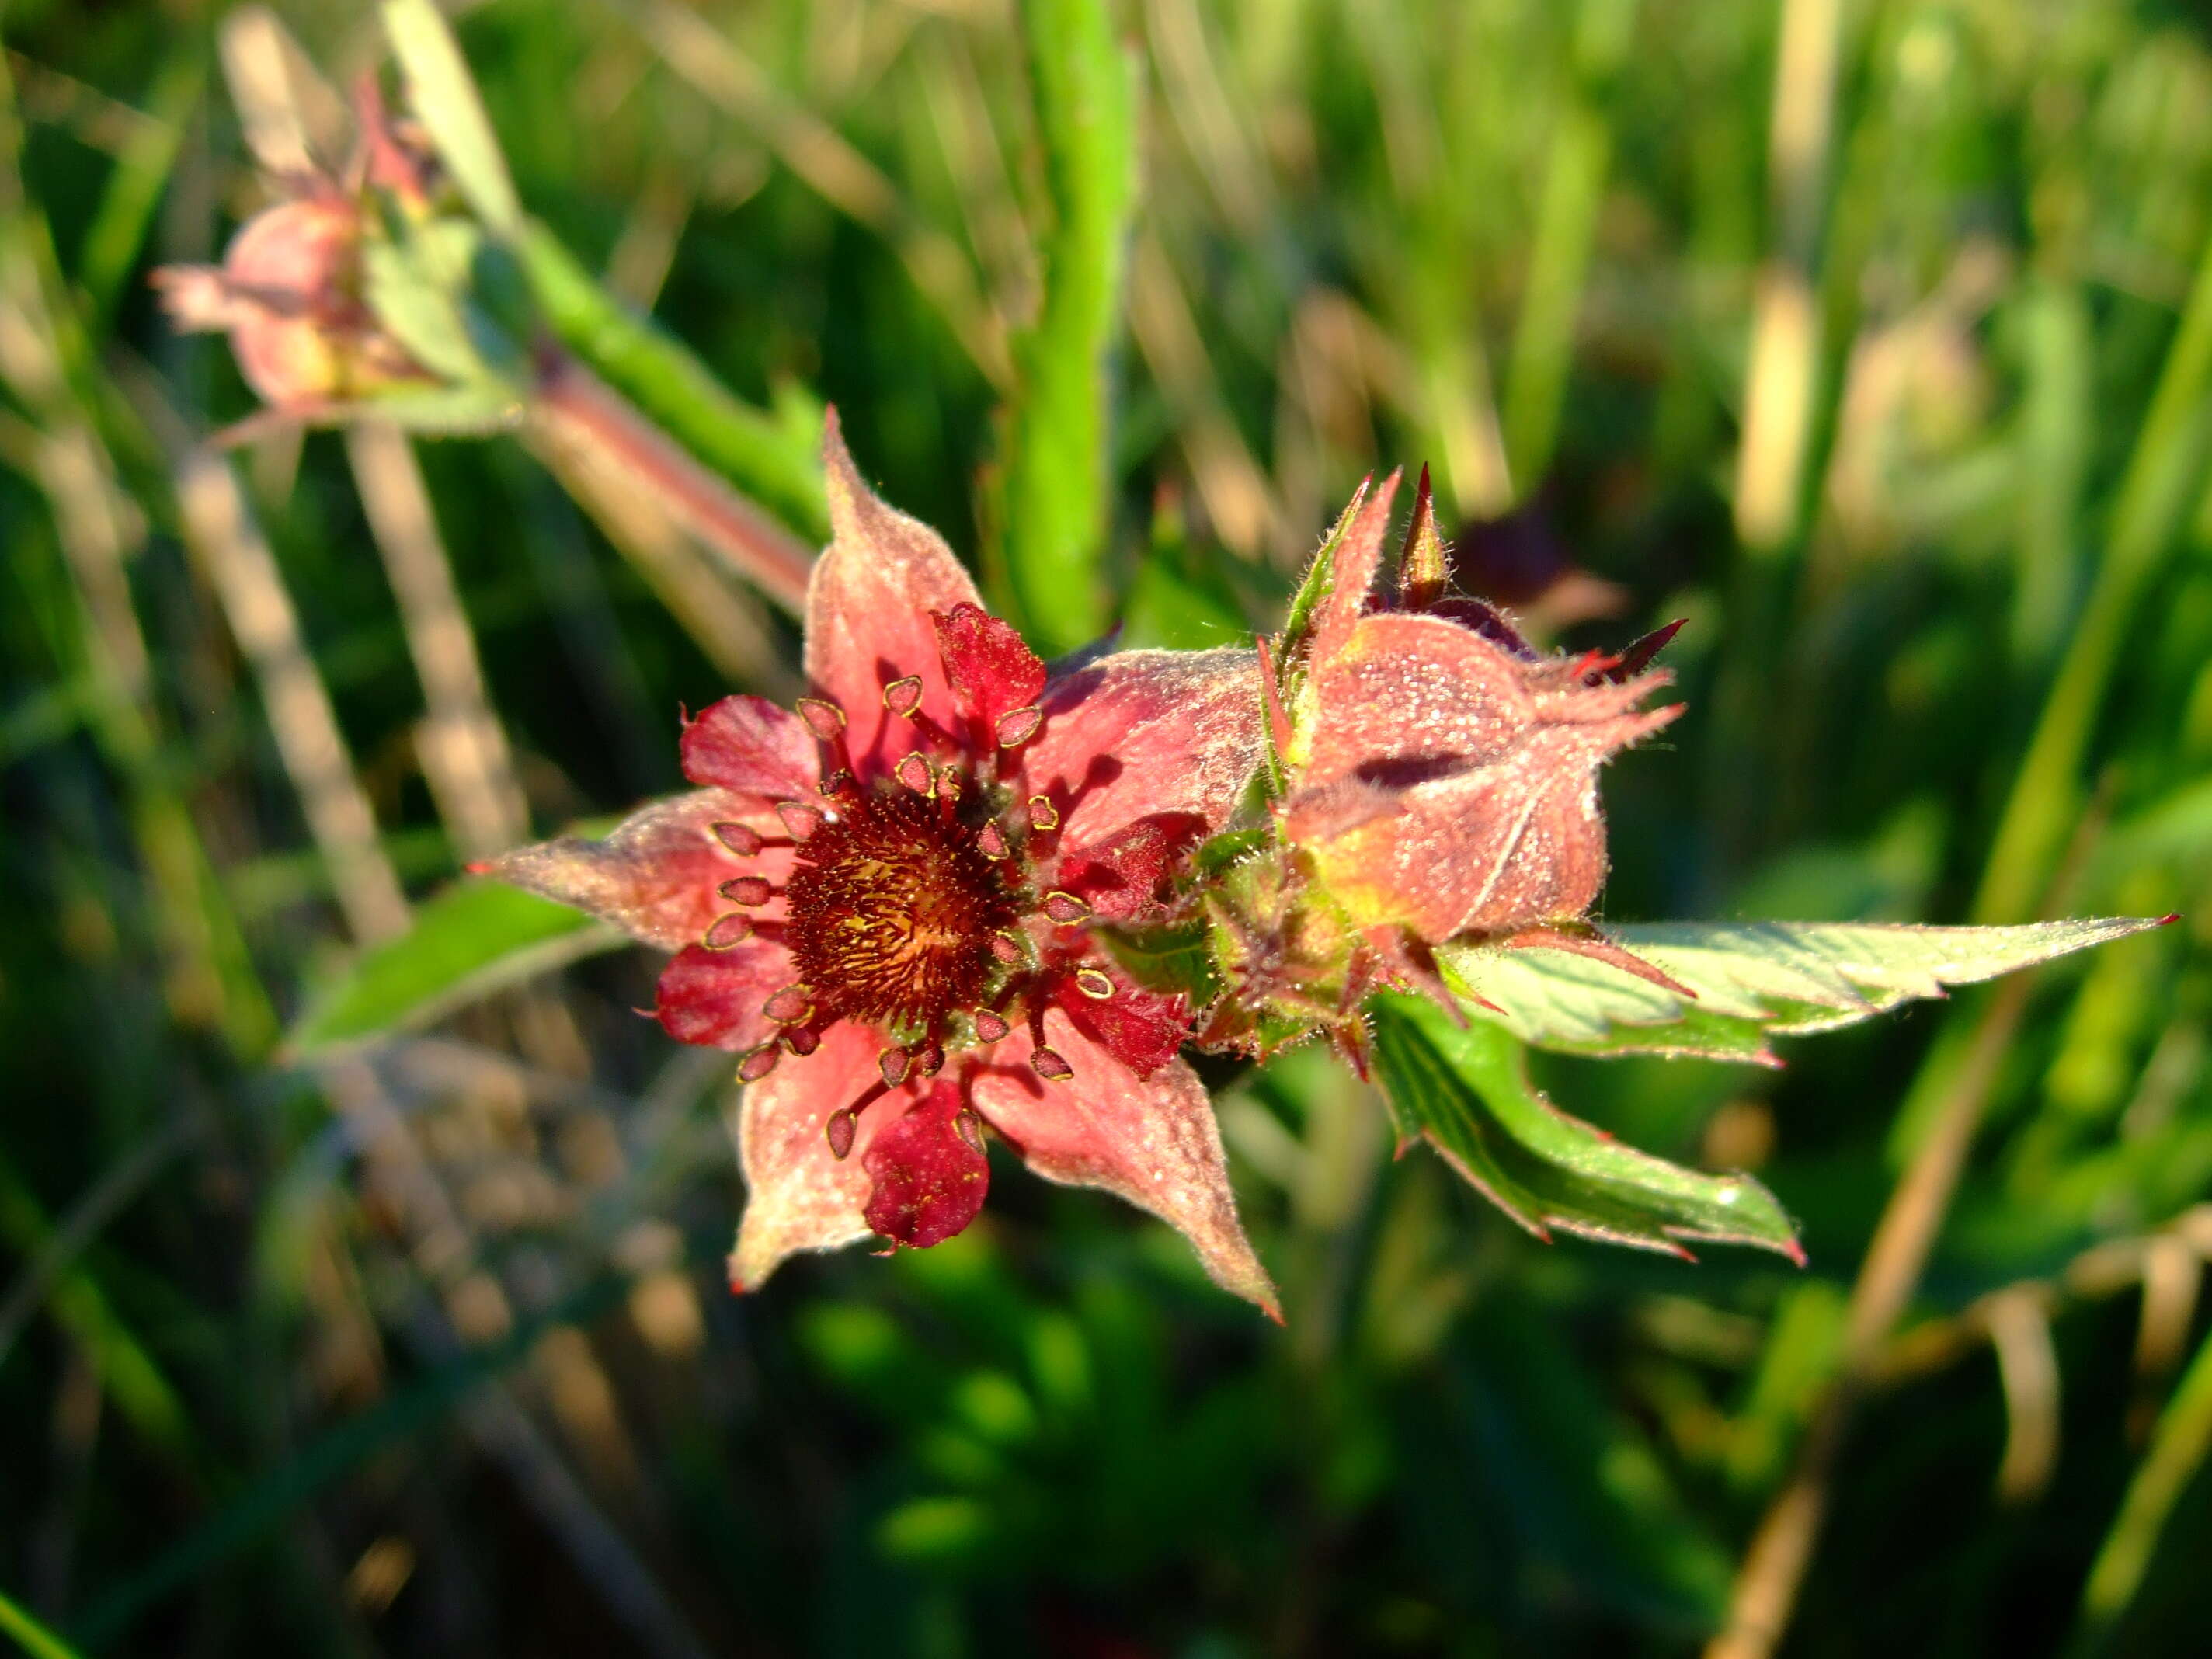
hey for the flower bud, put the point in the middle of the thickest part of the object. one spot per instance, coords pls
(1446, 775)
(289, 293)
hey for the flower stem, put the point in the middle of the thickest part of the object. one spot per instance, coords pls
(589, 413)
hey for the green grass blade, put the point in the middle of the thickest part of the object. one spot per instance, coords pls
(411, 1410)
(2164, 473)
(2179, 1448)
(17, 1623)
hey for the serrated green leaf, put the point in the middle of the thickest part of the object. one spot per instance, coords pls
(1466, 1091)
(475, 938)
(1752, 980)
(444, 97)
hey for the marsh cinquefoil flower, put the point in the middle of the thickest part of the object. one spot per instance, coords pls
(885, 901)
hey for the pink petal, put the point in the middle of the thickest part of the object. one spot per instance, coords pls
(991, 670)
(1147, 733)
(748, 743)
(1120, 877)
(1141, 1029)
(654, 876)
(713, 998)
(1453, 785)
(1407, 689)
(1153, 1143)
(929, 1179)
(867, 612)
(1353, 579)
(799, 1197)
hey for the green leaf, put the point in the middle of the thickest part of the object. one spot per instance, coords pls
(1751, 980)
(475, 938)
(444, 97)
(1053, 504)
(1466, 1091)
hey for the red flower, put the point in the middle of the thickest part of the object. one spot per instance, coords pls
(883, 901)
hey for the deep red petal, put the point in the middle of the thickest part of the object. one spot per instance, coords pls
(990, 669)
(929, 1180)
(713, 998)
(1120, 877)
(1153, 1143)
(1141, 1029)
(748, 743)
(1143, 734)
(868, 612)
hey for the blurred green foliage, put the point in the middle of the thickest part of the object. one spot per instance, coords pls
(1872, 336)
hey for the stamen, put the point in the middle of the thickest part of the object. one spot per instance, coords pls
(1089, 980)
(757, 1064)
(989, 1028)
(1044, 815)
(948, 787)
(1048, 1064)
(824, 719)
(1008, 949)
(928, 1057)
(801, 1040)
(725, 933)
(789, 1007)
(916, 773)
(747, 890)
(1064, 907)
(971, 1129)
(893, 1062)
(838, 782)
(798, 817)
(904, 697)
(1017, 726)
(844, 1123)
(740, 838)
(991, 841)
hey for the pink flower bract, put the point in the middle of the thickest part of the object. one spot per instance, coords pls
(884, 902)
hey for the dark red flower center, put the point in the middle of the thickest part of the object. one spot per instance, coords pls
(892, 909)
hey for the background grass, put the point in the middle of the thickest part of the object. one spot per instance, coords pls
(1872, 336)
